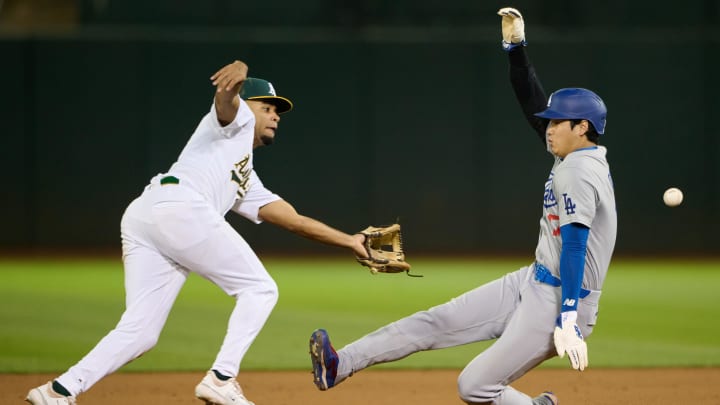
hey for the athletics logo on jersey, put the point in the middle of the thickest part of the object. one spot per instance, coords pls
(241, 174)
(549, 196)
(569, 206)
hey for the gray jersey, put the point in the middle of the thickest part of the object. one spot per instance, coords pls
(580, 190)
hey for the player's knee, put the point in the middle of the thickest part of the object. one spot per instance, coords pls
(465, 390)
(147, 338)
(265, 291)
(137, 339)
(145, 343)
(272, 292)
(269, 287)
(472, 392)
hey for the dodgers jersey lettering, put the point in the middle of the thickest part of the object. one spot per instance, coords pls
(580, 190)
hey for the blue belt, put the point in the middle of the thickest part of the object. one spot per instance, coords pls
(543, 275)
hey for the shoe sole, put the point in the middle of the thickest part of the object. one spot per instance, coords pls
(317, 342)
(207, 401)
(210, 402)
(30, 398)
(35, 396)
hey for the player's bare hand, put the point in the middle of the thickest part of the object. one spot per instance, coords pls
(358, 245)
(230, 78)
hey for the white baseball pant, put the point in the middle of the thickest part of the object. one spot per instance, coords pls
(168, 232)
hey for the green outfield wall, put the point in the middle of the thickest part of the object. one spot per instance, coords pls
(398, 114)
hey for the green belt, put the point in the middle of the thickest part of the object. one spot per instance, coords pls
(169, 180)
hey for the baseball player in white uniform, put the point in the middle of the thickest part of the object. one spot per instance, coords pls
(177, 226)
(541, 310)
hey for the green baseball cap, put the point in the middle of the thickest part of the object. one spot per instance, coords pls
(259, 89)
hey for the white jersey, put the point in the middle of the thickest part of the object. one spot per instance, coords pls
(580, 190)
(217, 162)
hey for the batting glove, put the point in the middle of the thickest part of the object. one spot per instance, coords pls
(513, 28)
(569, 339)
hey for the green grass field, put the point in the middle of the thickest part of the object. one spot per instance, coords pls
(653, 313)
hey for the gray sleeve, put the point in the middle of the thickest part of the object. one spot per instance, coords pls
(576, 195)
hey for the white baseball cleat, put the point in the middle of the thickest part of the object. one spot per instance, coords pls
(214, 391)
(45, 395)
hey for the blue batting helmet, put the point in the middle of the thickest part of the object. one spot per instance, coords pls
(576, 104)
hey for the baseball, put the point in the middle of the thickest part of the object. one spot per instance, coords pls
(673, 197)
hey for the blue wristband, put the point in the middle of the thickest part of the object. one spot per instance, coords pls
(508, 46)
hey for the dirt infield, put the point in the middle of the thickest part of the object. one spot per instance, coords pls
(390, 387)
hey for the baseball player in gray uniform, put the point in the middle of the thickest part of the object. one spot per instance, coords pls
(177, 226)
(541, 310)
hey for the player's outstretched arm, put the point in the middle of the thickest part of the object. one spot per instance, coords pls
(228, 81)
(284, 215)
(526, 85)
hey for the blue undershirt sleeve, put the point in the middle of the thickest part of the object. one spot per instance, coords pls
(572, 263)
